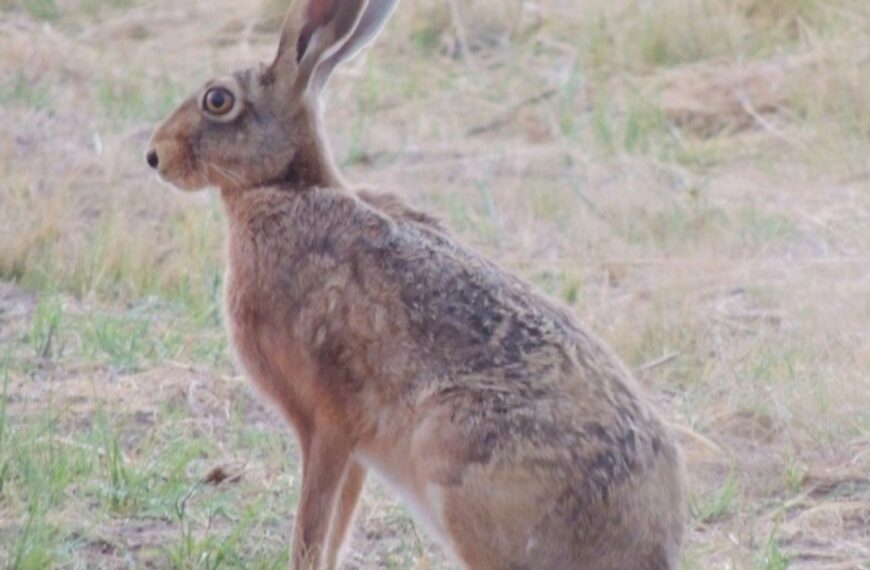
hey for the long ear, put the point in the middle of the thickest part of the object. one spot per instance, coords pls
(313, 31)
(369, 25)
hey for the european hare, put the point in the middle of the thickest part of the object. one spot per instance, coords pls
(514, 435)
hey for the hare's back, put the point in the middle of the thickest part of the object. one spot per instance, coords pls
(471, 318)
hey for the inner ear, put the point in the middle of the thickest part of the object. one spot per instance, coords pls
(318, 13)
(304, 40)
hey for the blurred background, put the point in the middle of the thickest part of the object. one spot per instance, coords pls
(691, 176)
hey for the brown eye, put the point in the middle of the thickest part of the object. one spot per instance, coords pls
(218, 101)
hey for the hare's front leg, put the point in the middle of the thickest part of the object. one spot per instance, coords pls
(325, 466)
(341, 520)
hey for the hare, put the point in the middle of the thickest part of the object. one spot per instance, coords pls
(513, 434)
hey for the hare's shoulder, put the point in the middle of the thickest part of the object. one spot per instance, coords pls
(395, 207)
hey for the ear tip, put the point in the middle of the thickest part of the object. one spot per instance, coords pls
(326, 32)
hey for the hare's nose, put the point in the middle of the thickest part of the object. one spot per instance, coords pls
(152, 158)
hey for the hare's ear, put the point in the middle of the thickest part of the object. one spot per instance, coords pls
(369, 25)
(318, 34)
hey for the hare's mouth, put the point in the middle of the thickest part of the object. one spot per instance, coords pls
(184, 173)
(175, 162)
(188, 181)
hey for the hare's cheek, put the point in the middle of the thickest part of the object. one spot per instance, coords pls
(222, 175)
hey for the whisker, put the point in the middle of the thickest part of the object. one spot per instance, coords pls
(233, 176)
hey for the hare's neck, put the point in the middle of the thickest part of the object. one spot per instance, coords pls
(313, 165)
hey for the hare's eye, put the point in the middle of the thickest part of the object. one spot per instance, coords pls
(218, 101)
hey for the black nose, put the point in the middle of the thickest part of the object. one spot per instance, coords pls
(152, 159)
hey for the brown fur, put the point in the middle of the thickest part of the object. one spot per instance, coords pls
(515, 435)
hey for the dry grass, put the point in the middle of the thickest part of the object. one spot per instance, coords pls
(691, 175)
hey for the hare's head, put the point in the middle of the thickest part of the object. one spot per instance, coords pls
(261, 126)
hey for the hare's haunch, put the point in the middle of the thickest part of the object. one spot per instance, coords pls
(516, 437)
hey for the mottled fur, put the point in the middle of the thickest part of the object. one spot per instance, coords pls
(515, 435)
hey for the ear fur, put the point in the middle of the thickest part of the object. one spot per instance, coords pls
(369, 25)
(319, 34)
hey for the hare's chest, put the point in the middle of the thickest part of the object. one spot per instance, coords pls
(248, 329)
(262, 338)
